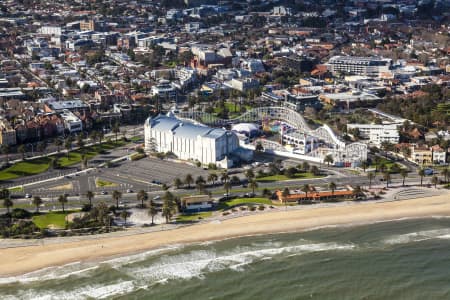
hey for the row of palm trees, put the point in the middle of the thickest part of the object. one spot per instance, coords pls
(404, 174)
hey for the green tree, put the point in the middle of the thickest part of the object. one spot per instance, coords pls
(116, 130)
(68, 145)
(249, 174)
(152, 210)
(404, 174)
(421, 173)
(435, 181)
(227, 186)
(370, 176)
(189, 180)
(58, 143)
(200, 183)
(168, 208)
(5, 149)
(446, 173)
(305, 188)
(253, 185)
(212, 177)
(328, 160)
(8, 203)
(21, 149)
(142, 196)
(332, 187)
(90, 195)
(116, 195)
(63, 200)
(177, 182)
(124, 214)
(387, 177)
(37, 201)
(224, 177)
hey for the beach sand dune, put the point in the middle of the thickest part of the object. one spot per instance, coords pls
(21, 260)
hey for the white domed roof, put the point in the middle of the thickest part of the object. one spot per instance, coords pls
(244, 127)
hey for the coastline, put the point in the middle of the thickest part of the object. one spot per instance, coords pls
(21, 260)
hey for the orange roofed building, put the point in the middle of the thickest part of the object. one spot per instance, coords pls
(313, 195)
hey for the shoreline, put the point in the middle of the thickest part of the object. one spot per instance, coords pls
(21, 260)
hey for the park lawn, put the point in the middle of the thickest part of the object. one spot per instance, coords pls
(189, 217)
(51, 220)
(25, 168)
(104, 183)
(16, 189)
(239, 201)
(40, 165)
(307, 175)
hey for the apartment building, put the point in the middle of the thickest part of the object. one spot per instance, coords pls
(365, 66)
(377, 133)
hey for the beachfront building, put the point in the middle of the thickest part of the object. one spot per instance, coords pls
(377, 133)
(189, 141)
(298, 196)
(197, 203)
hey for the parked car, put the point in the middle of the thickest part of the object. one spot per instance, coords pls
(28, 196)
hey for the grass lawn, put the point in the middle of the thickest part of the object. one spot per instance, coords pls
(239, 201)
(52, 220)
(102, 183)
(16, 189)
(194, 216)
(25, 168)
(40, 165)
(307, 175)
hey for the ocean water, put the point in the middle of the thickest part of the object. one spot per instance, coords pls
(407, 259)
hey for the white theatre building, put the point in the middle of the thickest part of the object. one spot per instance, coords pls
(190, 141)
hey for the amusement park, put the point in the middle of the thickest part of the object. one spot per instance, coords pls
(285, 132)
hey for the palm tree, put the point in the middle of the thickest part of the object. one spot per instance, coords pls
(168, 208)
(58, 143)
(124, 215)
(387, 177)
(224, 177)
(212, 177)
(377, 161)
(235, 180)
(80, 141)
(404, 174)
(63, 200)
(200, 183)
(5, 151)
(90, 195)
(332, 187)
(328, 159)
(37, 201)
(68, 145)
(227, 186)
(315, 170)
(446, 173)
(152, 211)
(21, 149)
(116, 195)
(421, 174)
(142, 196)
(435, 181)
(370, 176)
(8, 203)
(357, 191)
(188, 180)
(177, 182)
(116, 129)
(364, 165)
(305, 189)
(249, 174)
(253, 184)
(305, 166)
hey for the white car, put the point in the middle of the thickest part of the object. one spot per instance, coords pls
(28, 196)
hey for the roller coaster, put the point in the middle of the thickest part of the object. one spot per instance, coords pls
(341, 151)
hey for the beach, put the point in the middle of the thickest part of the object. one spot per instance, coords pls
(22, 260)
